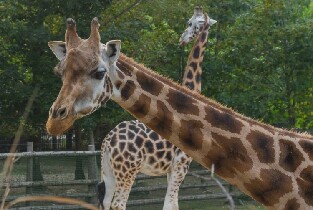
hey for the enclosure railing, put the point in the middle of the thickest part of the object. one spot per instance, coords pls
(93, 179)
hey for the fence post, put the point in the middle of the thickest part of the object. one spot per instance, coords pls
(29, 173)
(92, 172)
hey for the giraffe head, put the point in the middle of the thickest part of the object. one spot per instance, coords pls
(194, 25)
(84, 67)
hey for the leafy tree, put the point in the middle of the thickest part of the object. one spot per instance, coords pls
(267, 81)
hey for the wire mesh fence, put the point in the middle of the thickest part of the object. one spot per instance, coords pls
(74, 174)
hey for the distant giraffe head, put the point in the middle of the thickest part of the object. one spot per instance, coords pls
(194, 25)
(84, 67)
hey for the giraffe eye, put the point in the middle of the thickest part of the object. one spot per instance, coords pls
(99, 75)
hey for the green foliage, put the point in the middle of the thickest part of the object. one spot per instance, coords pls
(258, 60)
(272, 78)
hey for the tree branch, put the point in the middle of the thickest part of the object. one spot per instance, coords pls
(228, 196)
(127, 9)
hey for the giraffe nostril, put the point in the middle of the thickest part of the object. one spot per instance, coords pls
(62, 112)
(54, 113)
(58, 113)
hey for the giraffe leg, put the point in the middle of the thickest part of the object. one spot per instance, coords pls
(174, 180)
(108, 182)
(123, 187)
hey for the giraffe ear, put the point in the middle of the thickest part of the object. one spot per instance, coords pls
(112, 50)
(212, 22)
(58, 48)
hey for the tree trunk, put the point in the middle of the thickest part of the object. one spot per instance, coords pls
(54, 143)
(69, 139)
(37, 174)
(92, 138)
(79, 172)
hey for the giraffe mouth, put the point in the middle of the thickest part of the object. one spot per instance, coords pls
(182, 43)
(56, 126)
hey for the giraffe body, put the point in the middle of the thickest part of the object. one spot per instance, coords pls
(139, 149)
(130, 148)
(272, 165)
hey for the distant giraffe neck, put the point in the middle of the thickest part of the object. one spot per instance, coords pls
(193, 69)
(272, 165)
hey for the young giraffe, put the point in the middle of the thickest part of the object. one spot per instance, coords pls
(131, 147)
(272, 165)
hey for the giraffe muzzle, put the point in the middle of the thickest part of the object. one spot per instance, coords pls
(60, 120)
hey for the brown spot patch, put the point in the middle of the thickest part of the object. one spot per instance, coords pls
(123, 67)
(263, 146)
(149, 147)
(292, 204)
(182, 103)
(203, 36)
(190, 134)
(160, 145)
(168, 156)
(122, 146)
(149, 84)
(119, 159)
(193, 65)
(141, 106)
(222, 120)
(130, 134)
(160, 154)
(113, 141)
(128, 90)
(290, 157)
(131, 147)
(307, 146)
(139, 141)
(305, 183)
(272, 185)
(126, 155)
(189, 74)
(196, 52)
(169, 144)
(189, 85)
(133, 127)
(115, 152)
(162, 122)
(120, 74)
(122, 125)
(108, 84)
(198, 77)
(228, 156)
(154, 136)
(152, 160)
(118, 84)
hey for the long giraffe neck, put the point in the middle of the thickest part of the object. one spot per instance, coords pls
(193, 70)
(272, 165)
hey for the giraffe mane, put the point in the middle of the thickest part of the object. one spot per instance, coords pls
(214, 104)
